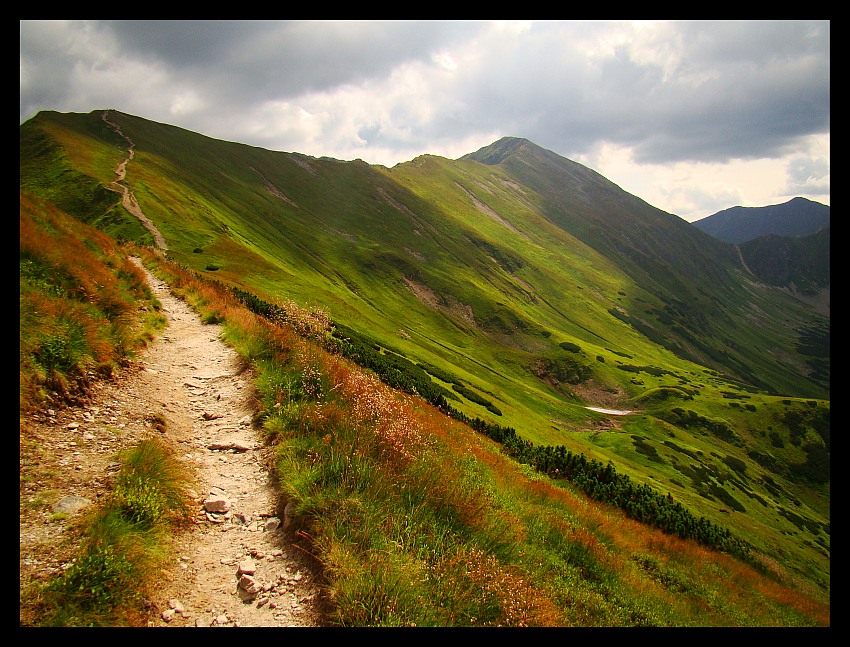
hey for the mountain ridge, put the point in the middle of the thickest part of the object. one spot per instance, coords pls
(795, 218)
(521, 292)
(659, 252)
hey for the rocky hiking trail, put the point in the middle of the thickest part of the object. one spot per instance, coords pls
(236, 564)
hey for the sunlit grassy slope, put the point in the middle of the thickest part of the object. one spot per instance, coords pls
(530, 279)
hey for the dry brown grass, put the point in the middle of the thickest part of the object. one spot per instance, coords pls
(80, 301)
(492, 585)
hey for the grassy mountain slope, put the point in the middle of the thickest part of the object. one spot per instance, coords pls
(414, 519)
(785, 261)
(530, 280)
(693, 299)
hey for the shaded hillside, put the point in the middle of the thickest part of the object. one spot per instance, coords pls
(694, 279)
(801, 262)
(640, 237)
(797, 217)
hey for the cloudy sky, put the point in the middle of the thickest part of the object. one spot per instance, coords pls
(691, 116)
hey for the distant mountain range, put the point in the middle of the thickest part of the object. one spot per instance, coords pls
(797, 217)
(786, 245)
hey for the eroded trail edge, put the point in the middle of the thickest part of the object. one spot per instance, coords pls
(235, 564)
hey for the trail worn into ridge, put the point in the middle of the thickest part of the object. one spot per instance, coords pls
(236, 564)
(128, 198)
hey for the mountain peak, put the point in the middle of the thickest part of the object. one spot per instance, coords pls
(797, 217)
(498, 151)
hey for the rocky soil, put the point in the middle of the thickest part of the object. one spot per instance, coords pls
(237, 563)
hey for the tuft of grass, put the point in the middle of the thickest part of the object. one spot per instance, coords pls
(124, 543)
(103, 579)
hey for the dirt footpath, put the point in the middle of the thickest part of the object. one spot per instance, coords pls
(236, 565)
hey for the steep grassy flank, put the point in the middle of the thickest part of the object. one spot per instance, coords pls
(785, 261)
(701, 307)
(84, 308)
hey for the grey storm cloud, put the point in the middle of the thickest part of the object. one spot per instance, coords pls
(695, 90)
(806, 175)
(272, 59)
(735, 91)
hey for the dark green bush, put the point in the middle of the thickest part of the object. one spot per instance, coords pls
(569, 346)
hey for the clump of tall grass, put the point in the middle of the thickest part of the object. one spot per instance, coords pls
(124, 543)
(391, 510)
(151, 486)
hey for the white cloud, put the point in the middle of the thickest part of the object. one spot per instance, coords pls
(444, 60)
(696, 190)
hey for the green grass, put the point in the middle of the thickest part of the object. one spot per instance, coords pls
(123, 545)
